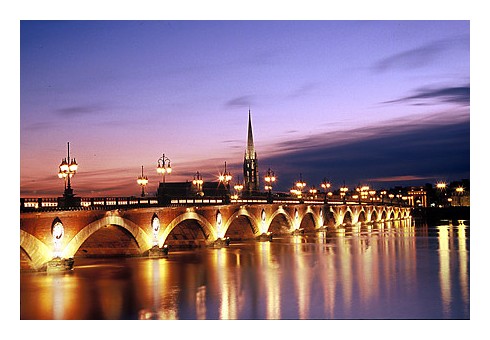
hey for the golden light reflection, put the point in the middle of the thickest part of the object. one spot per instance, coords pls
(302, 280)
(463, 262)
(271, 282)
(345, 271)
(228, 308)
(163, 302)
(444, 268)
(63, 300)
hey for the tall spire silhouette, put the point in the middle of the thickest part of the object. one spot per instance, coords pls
(250, 153)
(250, 164)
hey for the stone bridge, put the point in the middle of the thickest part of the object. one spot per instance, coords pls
(134, 231)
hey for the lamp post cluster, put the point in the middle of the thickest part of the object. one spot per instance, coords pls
(142, 181)
(198, 182)
(163, 167)
(67, 169)
(270, 179)
(238, 188)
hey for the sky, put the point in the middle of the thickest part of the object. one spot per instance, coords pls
(379, 103)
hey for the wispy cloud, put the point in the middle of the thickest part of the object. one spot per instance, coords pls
(304, 90)
(418, 57)
(78, 110)
(405, 178)
(242, 101)
(450, 94)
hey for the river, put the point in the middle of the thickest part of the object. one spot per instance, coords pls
(393, 271)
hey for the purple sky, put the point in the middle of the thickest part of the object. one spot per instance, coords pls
(381, 103)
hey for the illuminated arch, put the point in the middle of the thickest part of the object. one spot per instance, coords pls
(362, 214)
(208, 228)
(37, 251)
(143, 240)
(312, 216)
(283, 213)
(243, 212)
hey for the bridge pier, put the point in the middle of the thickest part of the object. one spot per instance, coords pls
(58, 265)
(157, 252)
(221, 242)
(265, 237)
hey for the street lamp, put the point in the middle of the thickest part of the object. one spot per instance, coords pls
(225, 177)
(67, 169)
(163, 167)
(142, 181)
(372, 193)
(442, 187)
(313, 192)
(459, 193)
(300, 185)
(326, 187)
(270, 179)
(343, 192)
(197, 182)
(383, 194)
(238, 188)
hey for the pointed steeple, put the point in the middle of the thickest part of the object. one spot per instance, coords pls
(250, 152)
(250, 163)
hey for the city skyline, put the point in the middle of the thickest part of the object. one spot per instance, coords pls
(381, 103)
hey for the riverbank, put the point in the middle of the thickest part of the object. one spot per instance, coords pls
(436, 215)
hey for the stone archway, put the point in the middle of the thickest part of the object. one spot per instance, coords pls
(190, 221)
(143, 240)
(240, 228)
(280, 223)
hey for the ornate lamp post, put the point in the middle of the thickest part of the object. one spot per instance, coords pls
(313, 192)
(197, 182)
(238, 188)
(372, 193)
(67, 169)
(441, 186)
(383, 194)
(225, 178)
(343, 192)
(163, 167)
(142, 181)
(326, 187)
(300, 185)
(270, 179)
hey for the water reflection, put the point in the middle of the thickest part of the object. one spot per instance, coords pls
(387, 271)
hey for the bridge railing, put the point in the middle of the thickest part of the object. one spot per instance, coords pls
(85, 203)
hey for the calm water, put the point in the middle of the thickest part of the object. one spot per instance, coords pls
(396, 272)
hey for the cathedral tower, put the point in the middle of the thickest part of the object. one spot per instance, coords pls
(250, 166)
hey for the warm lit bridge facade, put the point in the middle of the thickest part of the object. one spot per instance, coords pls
(132, 226)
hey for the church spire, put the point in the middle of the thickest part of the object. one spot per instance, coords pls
(250, 163)
(250, 152)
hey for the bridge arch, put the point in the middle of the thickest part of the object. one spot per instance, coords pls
(362, 217)
(347, 217)
(207, 228)
(280, 222)
(36, 250)
(308, 221)
(240, 226)
(143, 240)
